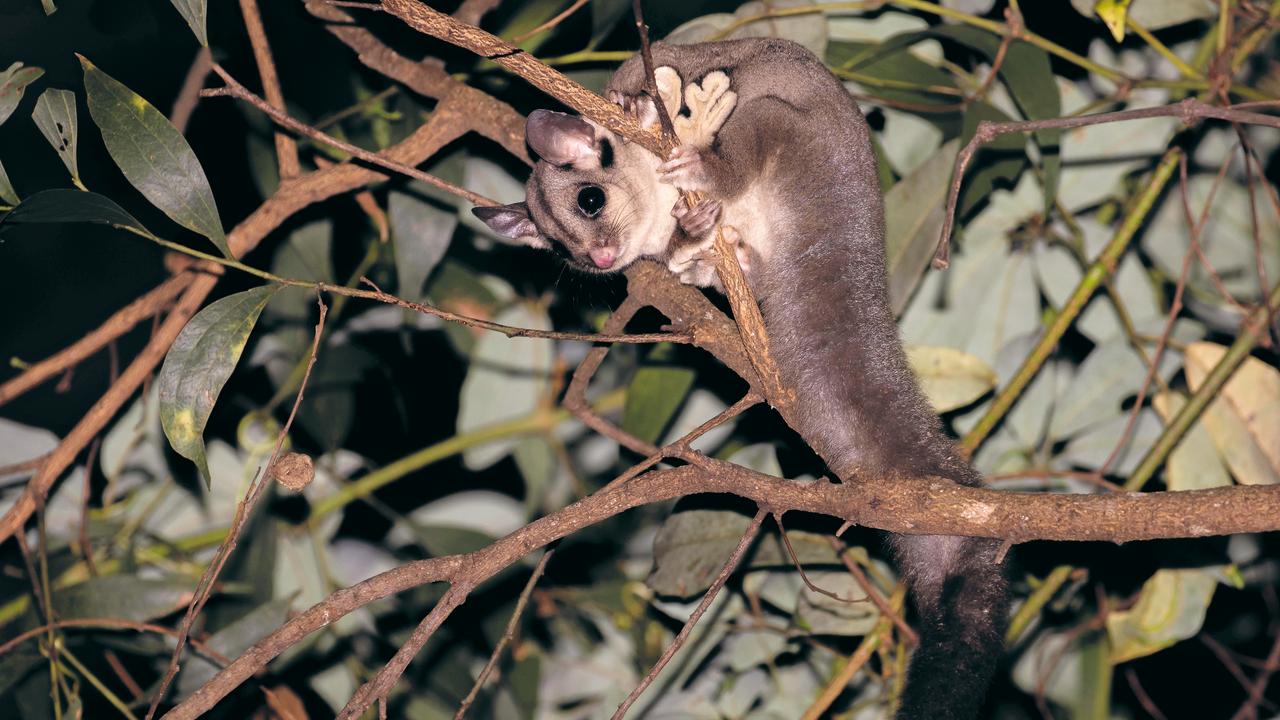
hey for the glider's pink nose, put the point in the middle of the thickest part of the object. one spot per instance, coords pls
(603, 258)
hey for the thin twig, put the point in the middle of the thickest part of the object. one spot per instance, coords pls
(873, 592)
(507, 635)
(109, 624)
(235, 89)
(381, 684)
(676, 643)
(244, 509)
(1189, 111)
(1131, 676)
(546, 25)
(1256, 690)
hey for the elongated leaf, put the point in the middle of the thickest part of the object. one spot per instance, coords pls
(879, 69)
(13, 83)
(55, 115)
(653, 397)
(231, 641)
(195, 13)
(69, 206)
(127, 597)
(508, 378)
(1244, 420)
(421, 232)
(1027, 74)
(7, 193)
(153, 155)
(199, 364)
(1171, 608)
(1194, 464)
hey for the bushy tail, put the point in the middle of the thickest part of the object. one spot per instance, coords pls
(962, 596)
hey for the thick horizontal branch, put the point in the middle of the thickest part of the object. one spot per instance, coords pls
(931, 506)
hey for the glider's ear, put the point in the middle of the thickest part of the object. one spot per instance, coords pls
(560, 139)
(512, 222)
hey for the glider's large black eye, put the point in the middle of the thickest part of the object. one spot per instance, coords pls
(591, 200)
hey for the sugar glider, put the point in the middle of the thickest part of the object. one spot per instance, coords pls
(784, 156)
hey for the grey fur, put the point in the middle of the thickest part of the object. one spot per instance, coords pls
(818, 269)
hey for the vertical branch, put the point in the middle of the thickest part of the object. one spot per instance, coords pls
(650, 84)
(189, 95)
(286, 147)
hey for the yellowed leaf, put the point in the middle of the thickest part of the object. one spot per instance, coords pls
(1171, 608)
(1113, 14)
(950, 378)
(1194, 464)
(1244, 420)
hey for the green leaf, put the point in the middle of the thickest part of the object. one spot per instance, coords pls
(70, 206)
(508, 379)
(304, 256)
(13, 83)
(605, 15)
(7, 193)
(198, 365)
(55, 115)
(1170, 608)
(1194, 464)
(654, 395)
(1244, 419)
(421, 233)
(127, 597)
(889, 61)
(807, 29)
(17, 664)
(950, 378)
(1027, 74)
(153, 155)
(690, 549)
(913, 213)
(195, 13)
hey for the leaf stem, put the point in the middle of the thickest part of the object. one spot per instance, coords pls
(1253, 327)
(101, 687)
(387, 474)
(1036, 601)
(1094, 276)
